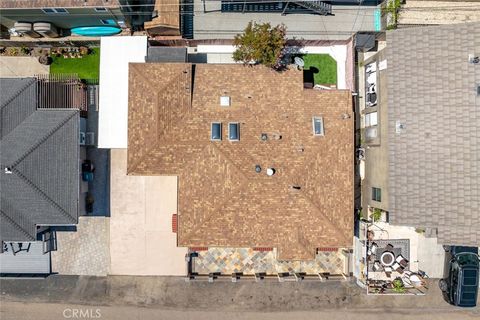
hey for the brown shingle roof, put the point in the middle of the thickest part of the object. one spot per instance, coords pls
(222, 200)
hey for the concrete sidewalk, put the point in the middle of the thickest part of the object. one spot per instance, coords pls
(20, 67)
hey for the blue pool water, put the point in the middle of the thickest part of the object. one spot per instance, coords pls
(96, 31)
(378, 20)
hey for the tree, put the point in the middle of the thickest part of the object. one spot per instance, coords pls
(261, 43)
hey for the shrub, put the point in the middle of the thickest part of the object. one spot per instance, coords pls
(398, 286)
(377, 214)
(25, 50)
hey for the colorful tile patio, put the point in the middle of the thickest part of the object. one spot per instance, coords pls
(249, 261)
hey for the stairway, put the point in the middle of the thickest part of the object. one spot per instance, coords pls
(285, 7)
(316, 6)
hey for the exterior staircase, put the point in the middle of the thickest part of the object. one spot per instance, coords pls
(285, 7)
(316, 6)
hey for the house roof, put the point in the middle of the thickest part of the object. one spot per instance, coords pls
(222, 201)
(10, 4)
(434, 164)
(39, 154)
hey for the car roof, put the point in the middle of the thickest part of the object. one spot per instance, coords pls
(468, 288)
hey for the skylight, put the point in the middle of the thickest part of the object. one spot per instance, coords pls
(233, 131)
(225, 101)
(216, 134)
(317, 123)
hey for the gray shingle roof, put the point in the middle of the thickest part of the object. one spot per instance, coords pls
(41, 149)
(434, 162)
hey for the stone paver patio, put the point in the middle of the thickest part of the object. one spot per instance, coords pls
(84, 252)
(249, 261)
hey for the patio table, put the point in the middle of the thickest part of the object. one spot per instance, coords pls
(387, 258)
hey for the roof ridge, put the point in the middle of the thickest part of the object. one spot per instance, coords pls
(16, 225)
(29, 151)
(216, 209)
(17, 94)
(330, 222)
(159, 136)
(43, 194)
(41, 141)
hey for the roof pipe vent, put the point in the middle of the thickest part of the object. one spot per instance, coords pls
(258, 169)
(270, 172)
(264, 137)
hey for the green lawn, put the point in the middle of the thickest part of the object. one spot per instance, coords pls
(87, 67)
(324, 64)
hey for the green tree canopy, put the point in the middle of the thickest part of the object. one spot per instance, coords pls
(261, 43)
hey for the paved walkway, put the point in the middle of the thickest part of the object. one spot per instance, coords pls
(84, 252)
(341, 25)
(19, 67)
(249, 261)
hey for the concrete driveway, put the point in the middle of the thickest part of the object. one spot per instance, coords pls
(141, 237)
(20, 67)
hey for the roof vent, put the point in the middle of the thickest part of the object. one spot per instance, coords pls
(8, 170)
(270, 172)
(264, 137)
(473, 59)
(296, 187)
(225, 101)
(277, 136)
(399, 127)
(258, 169)
(478, 90)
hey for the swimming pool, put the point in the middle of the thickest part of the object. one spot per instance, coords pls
(96, 31)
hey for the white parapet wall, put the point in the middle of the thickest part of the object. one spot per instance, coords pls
(223, 54)
(115, 55)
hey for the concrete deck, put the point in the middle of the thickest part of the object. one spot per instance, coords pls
(345, 21)
(141, 237)
(19, 67)
(376, 153)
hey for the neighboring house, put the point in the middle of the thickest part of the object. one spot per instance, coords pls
(166, 19)
(261, 161)
(309, 20)
(424, 156)
(39, 156)
(433, 130)
(67, 14)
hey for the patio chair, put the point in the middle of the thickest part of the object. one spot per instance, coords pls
(377, 266)
(389, 247)
(373, 248)
(402, 261)
(397, 267)
(388, 271)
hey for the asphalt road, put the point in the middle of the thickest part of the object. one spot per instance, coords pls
(71, 297)
(38, 311)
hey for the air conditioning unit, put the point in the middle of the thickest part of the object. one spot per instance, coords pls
(90, 138)
(82, 138)
(87, 138)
